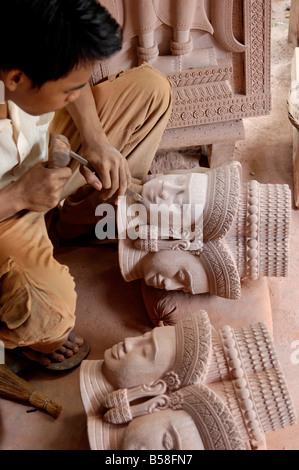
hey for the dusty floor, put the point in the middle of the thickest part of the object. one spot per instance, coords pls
(107, 313)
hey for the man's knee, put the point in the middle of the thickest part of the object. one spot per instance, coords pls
(32, 314)
(156, 85)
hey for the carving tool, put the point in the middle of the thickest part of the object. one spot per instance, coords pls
(129, 192)
(60, 156)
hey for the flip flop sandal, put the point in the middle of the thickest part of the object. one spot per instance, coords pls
(71, 362)
(66, 365)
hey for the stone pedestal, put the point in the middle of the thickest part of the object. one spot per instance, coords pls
(217, 140)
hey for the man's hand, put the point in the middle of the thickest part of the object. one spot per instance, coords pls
(112, 172)
(40, 188)
(110, 165)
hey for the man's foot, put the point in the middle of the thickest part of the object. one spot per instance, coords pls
(66, 351)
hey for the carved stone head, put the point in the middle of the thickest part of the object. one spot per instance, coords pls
(232, 376)
(242, 226)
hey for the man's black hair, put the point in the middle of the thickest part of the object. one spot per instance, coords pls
(46, 39)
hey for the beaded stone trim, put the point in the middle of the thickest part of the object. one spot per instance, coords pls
(252, 243)
(241, 384)
(260, 235)
(259, 359)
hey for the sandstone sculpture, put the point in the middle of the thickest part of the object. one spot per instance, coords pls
(205, 47)
(225, 388)
(216, 54)
(242, 231)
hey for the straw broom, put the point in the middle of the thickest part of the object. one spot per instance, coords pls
(14, 387)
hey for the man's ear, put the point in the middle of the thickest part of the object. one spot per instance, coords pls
(14, 78)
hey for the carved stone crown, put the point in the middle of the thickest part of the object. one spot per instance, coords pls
(214, 422)
(222, 200)
(221, 269)
(193, 351)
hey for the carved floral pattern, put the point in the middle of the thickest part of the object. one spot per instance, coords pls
(256, 100)
(172, 380)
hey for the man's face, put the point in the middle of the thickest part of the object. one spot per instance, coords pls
(53, 95)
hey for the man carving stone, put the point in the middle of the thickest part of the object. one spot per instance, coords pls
(49, 63)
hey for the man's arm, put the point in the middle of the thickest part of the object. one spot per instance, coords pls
(38, 190)
(111, 167)
(9, 205)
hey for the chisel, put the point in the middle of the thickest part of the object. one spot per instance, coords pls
(60, 153)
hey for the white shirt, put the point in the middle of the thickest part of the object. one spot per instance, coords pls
(24, 142)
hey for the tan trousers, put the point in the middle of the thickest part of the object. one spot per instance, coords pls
(134, 108)
(37, 294)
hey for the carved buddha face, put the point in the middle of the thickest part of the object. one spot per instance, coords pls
(164, 430)
(141, 359)
(175, 270)
(172, 192)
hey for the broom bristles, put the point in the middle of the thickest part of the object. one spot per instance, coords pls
(14, 387)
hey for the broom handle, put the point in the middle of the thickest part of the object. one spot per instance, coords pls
(12, 386)
(44, 403)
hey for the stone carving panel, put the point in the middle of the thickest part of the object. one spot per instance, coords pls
(216, 53)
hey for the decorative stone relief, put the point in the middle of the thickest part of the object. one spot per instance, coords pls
(223, 390)
(215, 52)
